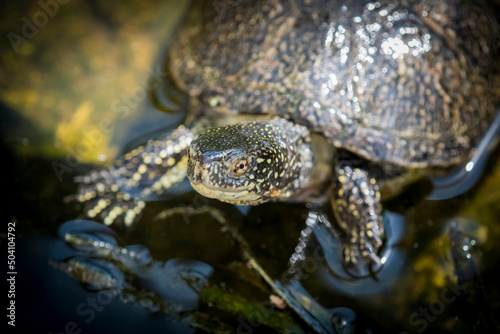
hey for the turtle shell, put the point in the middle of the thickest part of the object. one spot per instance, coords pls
(407, 83)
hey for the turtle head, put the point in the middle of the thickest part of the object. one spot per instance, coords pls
(250, 162)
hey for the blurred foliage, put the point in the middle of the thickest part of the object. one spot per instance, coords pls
(66, 79)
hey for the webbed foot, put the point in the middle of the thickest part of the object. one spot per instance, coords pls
(356, 204)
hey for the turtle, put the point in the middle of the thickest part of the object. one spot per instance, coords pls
(381, 93)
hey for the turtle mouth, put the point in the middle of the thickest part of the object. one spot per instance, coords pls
(212, 191)
(214, 179)
(243, 195)
(222, 174)
(225, 188)
(198, 185)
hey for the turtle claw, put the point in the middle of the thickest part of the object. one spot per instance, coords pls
(153, 171)
(101, 198)
(360, 262)
(364, 252)
(375, 258)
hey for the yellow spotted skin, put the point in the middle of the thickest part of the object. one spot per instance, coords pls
(149, 172)
(277, 154)
(400, 85)
(355, 199)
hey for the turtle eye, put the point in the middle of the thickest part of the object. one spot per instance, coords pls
(240, 167)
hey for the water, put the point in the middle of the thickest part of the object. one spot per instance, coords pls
(419, 274)
(182, 271)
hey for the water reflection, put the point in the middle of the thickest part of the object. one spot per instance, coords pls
(169, 287)
(329, 299)
(458, 182)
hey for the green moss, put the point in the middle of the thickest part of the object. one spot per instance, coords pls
(254, 313)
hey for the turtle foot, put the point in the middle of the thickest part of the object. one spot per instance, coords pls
(356, 204)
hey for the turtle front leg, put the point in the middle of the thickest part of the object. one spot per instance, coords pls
(356, 204)
(152, 171)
